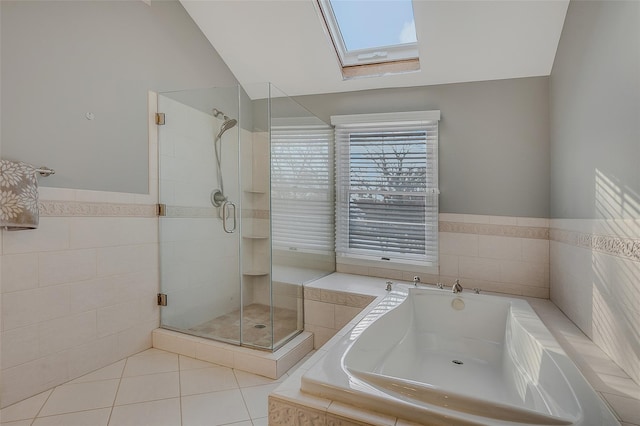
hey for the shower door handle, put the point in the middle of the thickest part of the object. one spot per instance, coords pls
(227, 207)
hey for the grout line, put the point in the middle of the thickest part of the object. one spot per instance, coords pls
(180, 390)
(117, 389)
(141, 402)
(246, 407)
(68, 412)
(42, 406)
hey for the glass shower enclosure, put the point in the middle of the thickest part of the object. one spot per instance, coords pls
(223, 276)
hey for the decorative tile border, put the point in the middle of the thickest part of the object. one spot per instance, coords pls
(288, 414)
(89, 209)
(191, 212)
(211, 212)
(540, 233)
(627, 248)
(338, 297)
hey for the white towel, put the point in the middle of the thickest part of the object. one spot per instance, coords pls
(18, 196)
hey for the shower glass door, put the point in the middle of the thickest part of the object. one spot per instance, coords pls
(246, 181)
(200, 231)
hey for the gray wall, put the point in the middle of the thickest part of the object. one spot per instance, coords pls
(595, 175)
(63, 59)
(595, 111)
(494, 140)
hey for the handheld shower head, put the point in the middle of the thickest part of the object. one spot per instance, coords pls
(228, 123)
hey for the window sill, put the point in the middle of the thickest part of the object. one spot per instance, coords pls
(396, 269)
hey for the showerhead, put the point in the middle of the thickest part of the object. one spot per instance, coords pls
(228, 123)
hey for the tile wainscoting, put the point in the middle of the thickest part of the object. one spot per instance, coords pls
(78, 293)
(595, 281)
(493, 253)
(327, 311)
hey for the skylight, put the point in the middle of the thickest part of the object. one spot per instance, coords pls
(372, 32)
(368, 25)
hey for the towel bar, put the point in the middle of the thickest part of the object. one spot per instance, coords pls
(45, 171)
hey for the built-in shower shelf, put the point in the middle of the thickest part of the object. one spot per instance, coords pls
(256, 236)
(255, 191)
(255, 272)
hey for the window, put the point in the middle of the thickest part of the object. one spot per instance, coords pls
(302, 188)
(372, 38)
(387, 187)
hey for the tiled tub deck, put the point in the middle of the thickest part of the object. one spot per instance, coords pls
(340, 296)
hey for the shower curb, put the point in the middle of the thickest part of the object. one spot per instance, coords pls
(263, 363)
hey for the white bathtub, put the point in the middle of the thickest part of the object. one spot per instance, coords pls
(437, 358)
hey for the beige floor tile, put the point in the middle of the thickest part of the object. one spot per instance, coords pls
(246, 379)
(26, 409)
(83, 418)
(262, 421)
(113, 371)
(149, 387)
(165, 412)
(256, 399)
(187, 363)
(205, 380)
(216, 408)
(80, 397)
(151, 361)
(18, 423)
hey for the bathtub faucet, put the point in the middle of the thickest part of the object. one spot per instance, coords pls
(457, 288)
(416, 280)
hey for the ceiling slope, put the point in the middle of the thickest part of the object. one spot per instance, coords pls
(285, 43)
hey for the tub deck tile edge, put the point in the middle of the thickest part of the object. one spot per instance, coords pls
(548, 312)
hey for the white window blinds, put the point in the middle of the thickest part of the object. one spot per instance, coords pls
(387, 187)
(302, 188)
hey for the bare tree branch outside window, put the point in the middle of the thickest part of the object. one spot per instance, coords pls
(387, 192)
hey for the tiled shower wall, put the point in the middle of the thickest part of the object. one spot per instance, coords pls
(195, 250)
(493, 253)
(193, 245)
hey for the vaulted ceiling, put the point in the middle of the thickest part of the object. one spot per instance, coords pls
(284, 42)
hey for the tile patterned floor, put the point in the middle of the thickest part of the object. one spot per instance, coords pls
(154, 388)
(227, 326)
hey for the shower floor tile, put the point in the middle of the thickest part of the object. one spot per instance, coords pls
(227, 326)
